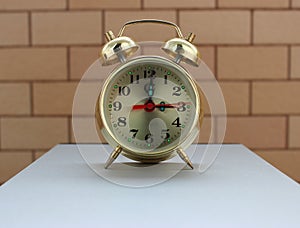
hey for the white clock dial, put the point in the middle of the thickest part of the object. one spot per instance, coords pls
(149, 105)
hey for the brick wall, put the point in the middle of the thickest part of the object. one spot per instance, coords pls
(253, 46)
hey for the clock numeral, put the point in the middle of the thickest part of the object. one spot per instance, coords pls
(124, 90)
(166, 79)
(181, 107)
(149, 73)
(122, 121)
(117, 106)
(176, 122)
(177, 91)
(136, 80)
(165, 134)
(135, 131)
(149, 138)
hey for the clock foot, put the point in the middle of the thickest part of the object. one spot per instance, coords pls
(184, 157)
(113, 156)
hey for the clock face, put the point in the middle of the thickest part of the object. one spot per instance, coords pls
(149, 105)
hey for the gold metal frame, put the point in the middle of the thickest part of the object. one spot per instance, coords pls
(118, 50)
(160, 155)
(154, 21)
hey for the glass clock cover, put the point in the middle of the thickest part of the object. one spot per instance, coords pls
(149, 105)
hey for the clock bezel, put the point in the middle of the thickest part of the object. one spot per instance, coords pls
(147, 156)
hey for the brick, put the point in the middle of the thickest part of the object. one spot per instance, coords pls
(205, 85)
(294, 131)
(276, 27)
(256, 132)
(287, 161)
(53, 98)
(114, 20)
(77, 28)
(33, 64)
(85, 131)
(179, 4)
(213, 102)
(253, 3)
(296, 3)
(208, 56)
(236, 95)
(104, 4)
(252, 63)
(17, 31)
(224, 27)
(81, 59)
(86, 97)
(276, 97)
(32, 4)
(38, 154)
(33, 132)
(13, 162)
(205, 106)
(295, 59)
(14, 99)
(206, 131)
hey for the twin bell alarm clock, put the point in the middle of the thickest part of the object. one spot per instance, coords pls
(150, 108)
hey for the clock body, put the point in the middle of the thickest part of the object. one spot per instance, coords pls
(149, 106)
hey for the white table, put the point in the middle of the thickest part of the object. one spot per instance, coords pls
(239, 190)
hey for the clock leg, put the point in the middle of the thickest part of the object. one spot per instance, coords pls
(113, 156)
(184, 157)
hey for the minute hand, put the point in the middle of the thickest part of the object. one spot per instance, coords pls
(143, 106)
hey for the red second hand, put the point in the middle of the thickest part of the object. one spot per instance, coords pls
(137, 107)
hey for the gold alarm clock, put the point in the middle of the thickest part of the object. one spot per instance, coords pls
(150, 108)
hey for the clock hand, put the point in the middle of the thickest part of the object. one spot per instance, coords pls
(137, 107)
(151, 88)
(168, 105)
(150, 92)
(151, 106)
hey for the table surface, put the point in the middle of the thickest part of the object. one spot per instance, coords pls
(239, 190)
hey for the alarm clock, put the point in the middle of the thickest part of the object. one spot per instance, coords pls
(150, 107)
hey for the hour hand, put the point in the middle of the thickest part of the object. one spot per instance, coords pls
(152, 106)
